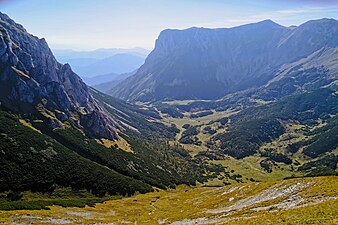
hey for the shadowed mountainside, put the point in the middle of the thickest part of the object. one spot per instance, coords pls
(200, 63)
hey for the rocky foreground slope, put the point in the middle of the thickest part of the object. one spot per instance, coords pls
(295, 201)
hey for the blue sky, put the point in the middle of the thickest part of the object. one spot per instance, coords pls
(90, 24)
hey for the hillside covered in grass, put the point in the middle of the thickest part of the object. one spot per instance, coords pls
(38, 159)
(294, 201)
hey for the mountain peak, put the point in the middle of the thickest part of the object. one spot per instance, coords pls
(268, 21)
(265, 23)
(320, 22)
(33, 82)
(5, 18)
(323, 20)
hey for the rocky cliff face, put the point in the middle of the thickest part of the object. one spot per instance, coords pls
(33, 82)
(200, 63)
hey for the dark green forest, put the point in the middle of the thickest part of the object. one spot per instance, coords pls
(36, 162)
(253, 127)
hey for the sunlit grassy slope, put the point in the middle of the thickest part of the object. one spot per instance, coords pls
(294, 201)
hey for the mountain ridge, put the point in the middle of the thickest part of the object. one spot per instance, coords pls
(32, 81)
(223, 60)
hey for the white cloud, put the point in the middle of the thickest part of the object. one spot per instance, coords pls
(307, 10)
(286, 17)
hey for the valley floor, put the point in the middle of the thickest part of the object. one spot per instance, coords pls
(294, 201)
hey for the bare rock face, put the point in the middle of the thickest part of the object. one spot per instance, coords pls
(32, 81)
(200, 63)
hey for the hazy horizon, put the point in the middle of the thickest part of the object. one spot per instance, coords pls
(130, 24)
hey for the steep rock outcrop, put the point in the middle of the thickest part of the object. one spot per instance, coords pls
(33, 82)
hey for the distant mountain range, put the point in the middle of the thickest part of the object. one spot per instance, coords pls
(200, 63)
(66, 54)
(102, 65)
(118, 64)
(106, 82)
